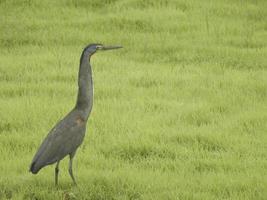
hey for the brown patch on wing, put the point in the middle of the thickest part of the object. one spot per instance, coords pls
(79, 121)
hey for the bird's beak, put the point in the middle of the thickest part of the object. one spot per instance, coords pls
(110, 47)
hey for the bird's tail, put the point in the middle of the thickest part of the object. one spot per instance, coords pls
(33, 168)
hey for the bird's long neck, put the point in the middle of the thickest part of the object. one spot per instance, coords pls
(85, 81)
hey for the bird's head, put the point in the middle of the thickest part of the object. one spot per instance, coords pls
(92, 48)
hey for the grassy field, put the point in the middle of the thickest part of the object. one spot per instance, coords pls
(179, 113)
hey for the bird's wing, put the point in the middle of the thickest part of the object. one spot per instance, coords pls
(62, 140)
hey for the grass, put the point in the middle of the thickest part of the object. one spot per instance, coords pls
(179, 113)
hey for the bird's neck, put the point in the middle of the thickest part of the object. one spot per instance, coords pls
(85, 81)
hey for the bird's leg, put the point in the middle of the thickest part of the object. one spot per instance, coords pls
(56, 173)
(70, 168)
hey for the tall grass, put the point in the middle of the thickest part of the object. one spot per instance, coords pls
(179, 113)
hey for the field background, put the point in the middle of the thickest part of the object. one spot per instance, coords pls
(179, 113)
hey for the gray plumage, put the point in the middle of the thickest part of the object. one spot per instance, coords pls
(68, 134)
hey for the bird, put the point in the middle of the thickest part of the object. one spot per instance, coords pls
(68, 134)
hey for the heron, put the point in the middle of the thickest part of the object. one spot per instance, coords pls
(68, 134)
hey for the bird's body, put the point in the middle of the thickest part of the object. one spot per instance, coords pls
(68, 134)
(62, 140)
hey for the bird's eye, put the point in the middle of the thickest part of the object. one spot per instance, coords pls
(98, 47)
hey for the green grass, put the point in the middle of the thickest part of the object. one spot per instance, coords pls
(179, 113)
